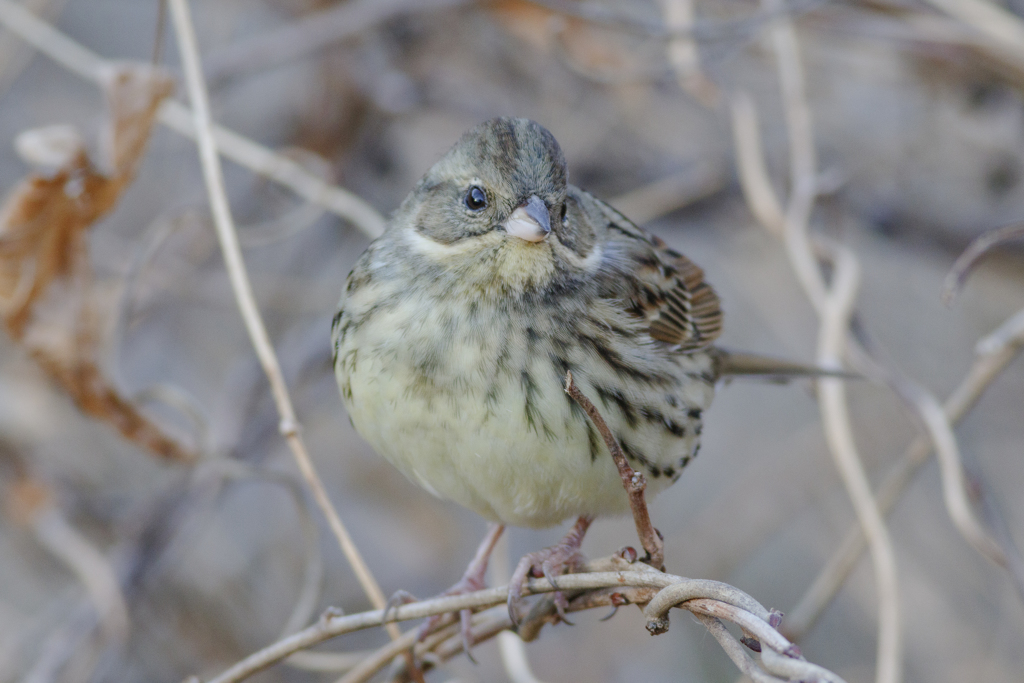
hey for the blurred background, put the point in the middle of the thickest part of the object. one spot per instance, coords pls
(919, 130)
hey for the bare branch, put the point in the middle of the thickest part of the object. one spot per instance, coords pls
(981, 374)
(89, 565)
(311, 33)
(246, 301)
(1000, 26)
(835, 320)
(833, 305)
(978, 247)
(449, 642)
(683, 55)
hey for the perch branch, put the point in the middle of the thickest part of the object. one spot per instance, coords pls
(629, 576)
(634, 482)
(242, 287)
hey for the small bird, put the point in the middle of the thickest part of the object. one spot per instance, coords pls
(494, 278)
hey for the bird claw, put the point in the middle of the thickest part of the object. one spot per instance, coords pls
(469, 583)
(472, 580)
(548, 563)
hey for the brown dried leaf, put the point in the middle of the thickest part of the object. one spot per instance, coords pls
(47, 299)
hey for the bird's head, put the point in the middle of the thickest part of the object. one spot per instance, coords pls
(495, 208)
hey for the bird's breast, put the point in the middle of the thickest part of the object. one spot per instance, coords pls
(466, 398)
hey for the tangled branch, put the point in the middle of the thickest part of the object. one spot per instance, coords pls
(611, 581)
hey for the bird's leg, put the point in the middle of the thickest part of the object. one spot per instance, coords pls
(633, 481)
(472, 580)
(550, 562)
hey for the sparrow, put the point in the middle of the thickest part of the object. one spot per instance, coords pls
(456, 329)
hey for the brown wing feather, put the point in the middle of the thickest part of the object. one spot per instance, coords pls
(668, 289)
(690, 314)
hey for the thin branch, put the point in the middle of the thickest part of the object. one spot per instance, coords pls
(311, 33)
(956, 496)
(988, 366)
(1000, 26)
(833, 306)
(752, 169)
(90, 66)
(978, 247)
(673, 192)
(1007, 337)
(333, 624)
(835, 320)
(510, 646)
(88, 564)
(242, 288)
(704, 30)
(737, 653)
(279, 168)
(633, 481)
(683, 55)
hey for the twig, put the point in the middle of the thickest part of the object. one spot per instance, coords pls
(280, 169)
(332, 624)
(13, 55)
(956, 497)
(598, 14)
(246, 302)
(753, 172)
(510, 645)
(982, 373)
(833, 306)
(634, 482)
(90, 566)
(229, 469)
(177, 117)
(332, 662)
(737, 653)
(978, 247)
(683, 55)
(999, 25)
(665, 195)
(311, 33)
(954, 483)
(835, 320)
(368, 666)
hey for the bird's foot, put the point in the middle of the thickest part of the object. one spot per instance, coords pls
(472, 580)
(563, 557)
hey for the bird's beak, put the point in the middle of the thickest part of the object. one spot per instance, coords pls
(530, 221)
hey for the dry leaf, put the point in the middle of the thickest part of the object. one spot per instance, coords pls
(47, 299)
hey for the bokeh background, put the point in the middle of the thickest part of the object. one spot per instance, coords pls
(919, 128)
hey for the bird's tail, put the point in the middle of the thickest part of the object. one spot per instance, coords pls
(735, 364)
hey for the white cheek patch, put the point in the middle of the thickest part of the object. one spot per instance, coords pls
(434, 250)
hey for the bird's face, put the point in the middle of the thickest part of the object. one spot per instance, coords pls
(494, 209)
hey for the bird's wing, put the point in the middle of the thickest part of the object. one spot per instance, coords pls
(660, 285)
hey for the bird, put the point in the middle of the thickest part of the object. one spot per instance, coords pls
(456, 329)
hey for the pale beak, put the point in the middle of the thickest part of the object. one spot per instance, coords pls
(530, 221)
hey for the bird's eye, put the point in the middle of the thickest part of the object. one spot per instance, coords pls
(564, 207)
(476, 199)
